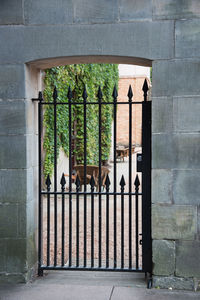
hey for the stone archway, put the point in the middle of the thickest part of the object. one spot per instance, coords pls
(33, 37)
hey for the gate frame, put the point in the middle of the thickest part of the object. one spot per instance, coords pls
(146, 189)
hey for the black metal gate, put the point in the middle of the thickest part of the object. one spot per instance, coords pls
(97, 229)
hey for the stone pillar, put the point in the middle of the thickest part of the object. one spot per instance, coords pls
(18, 189)
(176, 173)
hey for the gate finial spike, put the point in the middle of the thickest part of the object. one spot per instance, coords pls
(145, 87)
(92, 182)
(63, 181)
(85, 95)
(55, 94)
(69, 94)
(130, 93)
(77, 182)
(137, 181)
(115, 94)
(48, 182)
(40, 97)
(99, 94)
(122, 181)
(107, 181)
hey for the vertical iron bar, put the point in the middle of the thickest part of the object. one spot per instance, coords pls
(146, 183)
(40, 227)
(77, 219)
(136, 183)
(122, 183)
(99, 95)
(70, 177)
(92, 183)
(115, 174)
(85, 177)
(55, 177)
(107, 183)
(63, 182)
(130, 95)
(48, 183)
(63, 229)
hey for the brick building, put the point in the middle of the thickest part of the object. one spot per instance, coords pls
(134, 76)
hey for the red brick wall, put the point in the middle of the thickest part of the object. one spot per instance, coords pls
(123, 110)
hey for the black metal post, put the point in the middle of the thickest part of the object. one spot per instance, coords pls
(40, 227)
(85, 176)
(115, 173)
(55, 177)
(69, 95)
(130, 95)
(146, 183)
(99, 95)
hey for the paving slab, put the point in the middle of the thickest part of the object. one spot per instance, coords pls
(56, 291)
(132, 293)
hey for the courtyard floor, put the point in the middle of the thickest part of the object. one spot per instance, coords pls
(122, 169)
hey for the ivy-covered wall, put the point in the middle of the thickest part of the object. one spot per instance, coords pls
(77, 76)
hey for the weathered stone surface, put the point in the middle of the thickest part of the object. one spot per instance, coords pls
(162, 116)
(12, 85)
(188, 150)
(13, 255)
(186, 187)
(187, 38)
(163, 151)
(11, 12)
(13, 152)
(187, 258)
(163, 257)
(174, 151)
(12, 117)
(179, 9)
(12, 278)
(186, 114)
(131, 10)
(32, 43)
(174, 222)
(32, 256)
(48, 12)
(198, 222)
(177, 283)
(161, 186)
(95, 11)
(171, 78)
(16, 179)
(8, 221)
(22, 220)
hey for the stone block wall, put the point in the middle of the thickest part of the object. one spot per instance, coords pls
(166, 34)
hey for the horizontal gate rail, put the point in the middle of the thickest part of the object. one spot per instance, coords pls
(112, 241)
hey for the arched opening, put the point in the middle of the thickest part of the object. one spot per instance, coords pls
(32, 68)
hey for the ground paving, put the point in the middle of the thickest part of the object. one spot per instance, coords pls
(75, 285)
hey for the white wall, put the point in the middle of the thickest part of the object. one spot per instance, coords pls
(133, 70)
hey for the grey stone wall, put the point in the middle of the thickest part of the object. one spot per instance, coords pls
(39, 34)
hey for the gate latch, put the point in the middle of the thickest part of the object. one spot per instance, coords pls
(139, 162)
(140, 242)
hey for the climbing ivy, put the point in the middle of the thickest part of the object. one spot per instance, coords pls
(77, 76)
